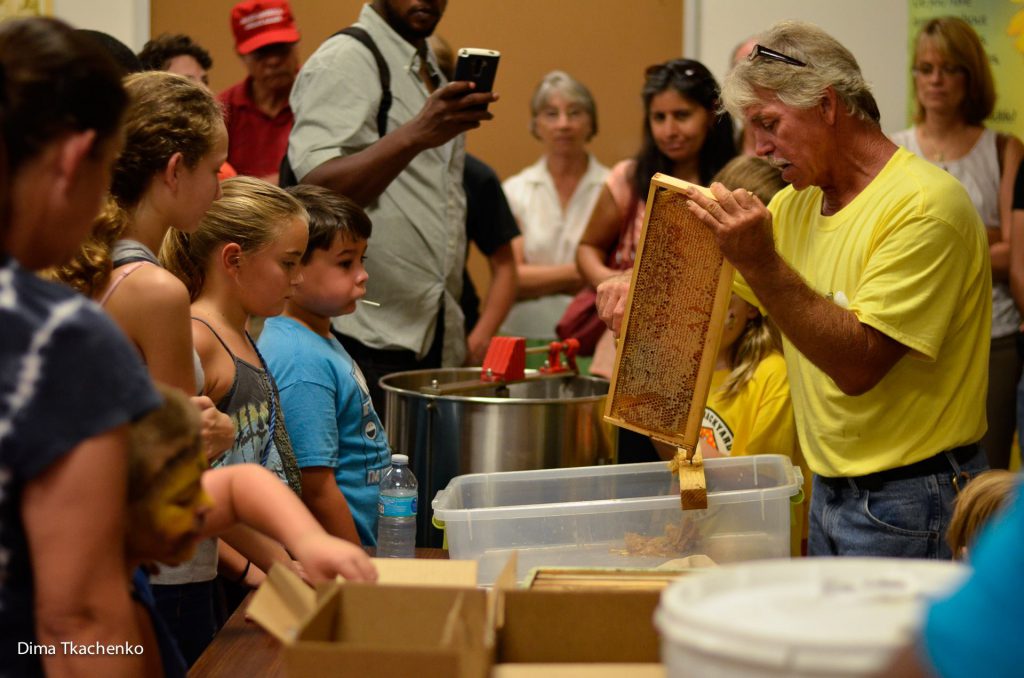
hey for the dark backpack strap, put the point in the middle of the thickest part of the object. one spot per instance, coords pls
(286, 173)
(382, 68)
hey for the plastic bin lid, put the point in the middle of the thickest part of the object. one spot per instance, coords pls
(815, 615)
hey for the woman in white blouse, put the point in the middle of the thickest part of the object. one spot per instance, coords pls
(552, 200)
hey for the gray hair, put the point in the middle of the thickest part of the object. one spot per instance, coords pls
(572, 89)
(829, 64)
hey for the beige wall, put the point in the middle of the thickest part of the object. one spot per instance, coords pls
(604, 43)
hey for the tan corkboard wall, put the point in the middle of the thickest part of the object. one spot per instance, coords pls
(606, 44)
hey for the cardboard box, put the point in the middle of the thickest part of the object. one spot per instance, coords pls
(423, 618)
(426, 618)
(578, 627)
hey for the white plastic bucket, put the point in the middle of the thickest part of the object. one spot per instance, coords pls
(797, 618)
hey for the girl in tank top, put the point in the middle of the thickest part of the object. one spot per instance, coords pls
(165, 178)
(243, 261)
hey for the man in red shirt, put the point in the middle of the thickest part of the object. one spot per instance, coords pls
(256, 109)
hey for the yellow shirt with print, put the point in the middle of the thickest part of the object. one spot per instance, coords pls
(909, 257)
(759, 420)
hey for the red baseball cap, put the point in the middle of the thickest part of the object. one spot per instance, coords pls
(258, 23)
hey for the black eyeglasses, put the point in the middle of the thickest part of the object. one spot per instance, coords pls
(767, 53)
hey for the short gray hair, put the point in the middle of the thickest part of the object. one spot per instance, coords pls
(829, 64)
(569, 87)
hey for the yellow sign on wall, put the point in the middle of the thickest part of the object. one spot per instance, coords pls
(19, 8)
(1000, 24)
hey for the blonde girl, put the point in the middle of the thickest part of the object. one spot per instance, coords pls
(243, 261)
(749, 409)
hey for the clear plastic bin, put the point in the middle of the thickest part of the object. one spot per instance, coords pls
(627, 515)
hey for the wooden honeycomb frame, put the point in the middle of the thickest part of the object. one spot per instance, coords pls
(677, 303)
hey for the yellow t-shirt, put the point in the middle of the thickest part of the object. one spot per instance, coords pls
(759, 420)
(909, 257)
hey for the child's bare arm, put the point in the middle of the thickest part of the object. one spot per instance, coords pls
(250, 545)
(152, 307)
(74, 517)
(251, 494)
(324, 499)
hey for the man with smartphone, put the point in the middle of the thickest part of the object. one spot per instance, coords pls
(409, 179)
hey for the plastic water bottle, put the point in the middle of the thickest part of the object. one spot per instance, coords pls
(396, 511)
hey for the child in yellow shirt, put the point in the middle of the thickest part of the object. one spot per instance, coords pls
(749, 410)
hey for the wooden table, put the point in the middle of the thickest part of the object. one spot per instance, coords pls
(242, 648)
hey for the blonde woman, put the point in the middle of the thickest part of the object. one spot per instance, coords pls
(955, 95)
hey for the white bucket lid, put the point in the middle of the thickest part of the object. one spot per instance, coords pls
(810, 615)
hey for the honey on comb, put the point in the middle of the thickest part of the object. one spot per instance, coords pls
(669, 334)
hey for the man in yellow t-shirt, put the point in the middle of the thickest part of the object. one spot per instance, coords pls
(874, 265)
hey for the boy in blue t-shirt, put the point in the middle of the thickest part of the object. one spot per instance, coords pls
(338, 439)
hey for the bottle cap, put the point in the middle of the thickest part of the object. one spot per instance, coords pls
(399, 459)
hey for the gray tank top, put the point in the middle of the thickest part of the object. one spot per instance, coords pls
(252, 403)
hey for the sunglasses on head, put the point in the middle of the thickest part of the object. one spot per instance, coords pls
(768, 53)
(680, 68)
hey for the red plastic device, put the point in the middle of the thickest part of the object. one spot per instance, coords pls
(506, 359)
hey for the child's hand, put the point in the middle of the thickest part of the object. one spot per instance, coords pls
(218, 430)
(325, 557)
(296, 567)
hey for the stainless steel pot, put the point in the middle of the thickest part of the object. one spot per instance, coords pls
(550, 423)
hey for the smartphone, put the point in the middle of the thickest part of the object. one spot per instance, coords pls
(477, 66)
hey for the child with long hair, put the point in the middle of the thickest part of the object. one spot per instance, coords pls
(165, 178)
(749, 409)
(243, 261)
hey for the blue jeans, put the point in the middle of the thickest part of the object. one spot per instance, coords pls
(904, 518)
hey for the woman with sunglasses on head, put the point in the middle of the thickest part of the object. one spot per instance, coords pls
(955, 94)
(684, 136)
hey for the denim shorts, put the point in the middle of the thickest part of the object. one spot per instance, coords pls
(905, 518)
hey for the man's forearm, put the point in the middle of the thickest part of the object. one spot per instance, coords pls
(363, 176)
(853, 354)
